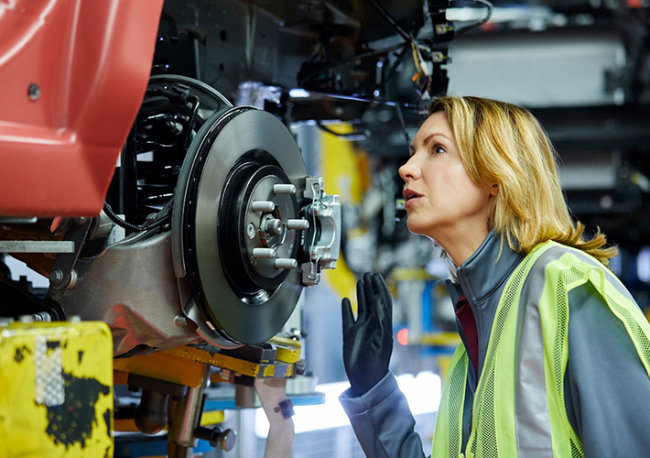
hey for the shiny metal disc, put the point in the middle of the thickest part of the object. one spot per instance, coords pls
(249, 320)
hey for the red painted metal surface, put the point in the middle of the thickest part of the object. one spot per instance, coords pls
(87, 63)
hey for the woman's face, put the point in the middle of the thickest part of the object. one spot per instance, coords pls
(442, 201)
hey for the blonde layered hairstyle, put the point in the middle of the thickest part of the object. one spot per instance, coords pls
(505, 146)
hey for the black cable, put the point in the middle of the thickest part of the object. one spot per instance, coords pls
(119, 221)
(367, 55)
(487, 17)
(347, 136)
(133, 227)
(386, 15)
(354, 59)
(157, 223)
(391, 72)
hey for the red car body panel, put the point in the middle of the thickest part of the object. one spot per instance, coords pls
(73, 74)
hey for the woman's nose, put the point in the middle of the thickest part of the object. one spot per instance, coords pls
(408, 170)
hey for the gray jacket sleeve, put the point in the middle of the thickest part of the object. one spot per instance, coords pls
(383, 422)
(607, 390)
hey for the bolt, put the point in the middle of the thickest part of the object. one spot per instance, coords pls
(42, 316)
(297, 334)
(25, 319)
(274, 227)
(251, 230)
(217, 436)
(72, 281)
(175, 128)
(74, 319)
(56, 277)
(180, 321)
(297, 224)
(285, 263)
(264, 253)
(34, 91)
(263, 206)
(284, 189)
(227, 440)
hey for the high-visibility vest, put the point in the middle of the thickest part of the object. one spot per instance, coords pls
(511, 416)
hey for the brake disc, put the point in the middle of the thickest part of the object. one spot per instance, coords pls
(236, 223)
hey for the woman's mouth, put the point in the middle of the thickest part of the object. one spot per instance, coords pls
(410, 197)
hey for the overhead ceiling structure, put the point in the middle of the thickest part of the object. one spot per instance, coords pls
(581, 66)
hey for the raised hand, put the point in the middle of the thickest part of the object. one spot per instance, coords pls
(368, 341)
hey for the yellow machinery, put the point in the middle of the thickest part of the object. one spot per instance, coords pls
(57, 384)
(56, 395)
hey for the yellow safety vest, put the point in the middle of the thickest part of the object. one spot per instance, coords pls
(511, 416)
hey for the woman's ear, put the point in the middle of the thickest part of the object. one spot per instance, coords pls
(494, 190)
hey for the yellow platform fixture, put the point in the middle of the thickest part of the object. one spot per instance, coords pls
(56, 390)
(185, 365)
(276, 368)
(163, 366)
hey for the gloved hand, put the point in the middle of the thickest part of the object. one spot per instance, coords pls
(368, 341)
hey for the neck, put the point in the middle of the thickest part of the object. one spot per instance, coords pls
(461, 244)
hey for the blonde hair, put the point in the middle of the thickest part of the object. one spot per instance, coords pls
(504, 145)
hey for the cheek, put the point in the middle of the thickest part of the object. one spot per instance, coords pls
(463, 196)
(452, 186)
(440, 181)
(475, 197)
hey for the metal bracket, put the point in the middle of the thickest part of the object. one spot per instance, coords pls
(62, 274)
(35, 246)
(322, 242)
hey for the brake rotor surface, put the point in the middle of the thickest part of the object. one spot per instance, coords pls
(245, 298)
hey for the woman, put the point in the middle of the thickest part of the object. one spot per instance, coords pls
(555, 359)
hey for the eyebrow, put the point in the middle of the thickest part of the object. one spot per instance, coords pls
(428, 139)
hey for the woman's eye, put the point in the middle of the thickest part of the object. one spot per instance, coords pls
(437, 149)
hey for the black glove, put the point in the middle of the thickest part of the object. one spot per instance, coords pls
(368, 342)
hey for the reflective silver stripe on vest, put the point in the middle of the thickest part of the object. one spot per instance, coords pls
(532, 422)
(611, 278)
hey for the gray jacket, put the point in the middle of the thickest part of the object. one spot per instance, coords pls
(607, 390)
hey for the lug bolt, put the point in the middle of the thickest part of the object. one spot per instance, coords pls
(263, 206)
(264, 253)
(284, 189)
(285, 263)
(297, 224)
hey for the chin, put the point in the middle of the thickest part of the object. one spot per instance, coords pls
(416, 228)
(421, 228)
